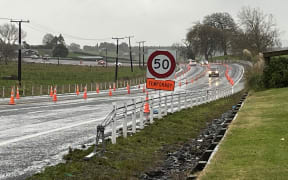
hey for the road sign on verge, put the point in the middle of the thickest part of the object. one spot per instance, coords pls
(161, 69)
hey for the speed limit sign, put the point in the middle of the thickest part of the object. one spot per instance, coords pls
(161, 64)
(161, 69)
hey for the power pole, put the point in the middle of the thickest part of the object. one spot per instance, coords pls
(106, 56)
(139, 53)
(116, 69)
(143, 52)
(19, 51)
(130, 52)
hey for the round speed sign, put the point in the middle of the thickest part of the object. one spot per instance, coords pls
(161, 64)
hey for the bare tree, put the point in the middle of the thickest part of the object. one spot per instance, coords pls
(9, 35)
(259, 28)
(226, 26)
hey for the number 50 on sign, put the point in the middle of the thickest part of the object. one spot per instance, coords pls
(160, 69)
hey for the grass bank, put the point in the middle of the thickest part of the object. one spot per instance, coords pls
(142, 151)
(50, 74)
(256, 145)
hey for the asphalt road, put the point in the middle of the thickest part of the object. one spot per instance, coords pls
(37, 132)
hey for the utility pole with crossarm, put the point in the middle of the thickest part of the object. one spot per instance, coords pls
(116, 70)
(19, 51)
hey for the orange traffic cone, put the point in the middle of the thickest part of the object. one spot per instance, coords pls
(51, 91)
(12, 102)
(192, 80)
(128, 88)
(55, 95)
(146, 106)
(85, 93)
(114, 87)
(110, 92)
(77, 90)
(97, 89)
(17, 94)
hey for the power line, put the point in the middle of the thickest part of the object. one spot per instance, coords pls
(44, 29)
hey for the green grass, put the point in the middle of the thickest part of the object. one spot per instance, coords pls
(142, 151)
(253, 148)
(48, 74)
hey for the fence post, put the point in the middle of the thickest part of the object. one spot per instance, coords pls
(81, 88)
(114, 124)
(179, 102)
(172, 107)
(134, 116)
(40, 90)
(91, 87)
(125, 121)
(75, 88)
(165, 110)
(105, 85)
(159, 109)
(3, 95)
(63, 89)
(32, 90)
(141, 113)
(232, 91)
(185, 101)
(151, 110)
(69, 88)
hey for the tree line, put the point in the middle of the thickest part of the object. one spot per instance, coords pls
(219, 33)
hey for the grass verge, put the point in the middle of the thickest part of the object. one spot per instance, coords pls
(49, 74)
(256, 145)
(144, 150)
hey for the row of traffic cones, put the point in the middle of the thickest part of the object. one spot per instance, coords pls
(12, 100)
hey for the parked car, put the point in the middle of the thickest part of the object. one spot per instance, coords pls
(213, 72)
(34, 56)
(101, 62)
(45, 57)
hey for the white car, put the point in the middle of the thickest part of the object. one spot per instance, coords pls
(119, 64)
(192, 62)
(206, 62)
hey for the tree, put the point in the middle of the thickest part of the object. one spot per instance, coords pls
(204, 39)
(74, 47)
(47, 39)
(259, 28)
(60, 50)
(226, 26)
(9, 35)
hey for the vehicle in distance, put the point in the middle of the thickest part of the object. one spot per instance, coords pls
(101, 62)
(206, 62)
(45, 57)
(119, 64)
(34, 56)
(192, 62)
(213, 72)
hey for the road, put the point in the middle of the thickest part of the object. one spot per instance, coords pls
(37, 132)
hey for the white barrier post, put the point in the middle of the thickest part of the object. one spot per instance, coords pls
(185, 101)
(141, 113)
(179, 102)
(125, 121)
(114, 125)
(172, 107)
(151, 110)
(134, 116)
(165, 111)
(159, 109)
(233, 89)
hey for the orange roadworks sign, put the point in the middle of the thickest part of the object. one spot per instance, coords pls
(166, 85)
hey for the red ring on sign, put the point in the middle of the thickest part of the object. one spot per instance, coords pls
(170, 57)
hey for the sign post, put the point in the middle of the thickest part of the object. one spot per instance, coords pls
(161, 69)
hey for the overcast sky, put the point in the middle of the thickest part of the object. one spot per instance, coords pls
(159, 22)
